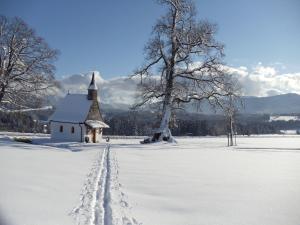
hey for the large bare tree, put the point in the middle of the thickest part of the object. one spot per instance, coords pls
(183, 64)
(26, 64)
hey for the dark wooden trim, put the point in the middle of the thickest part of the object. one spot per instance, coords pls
(81, 139)
(63, 122)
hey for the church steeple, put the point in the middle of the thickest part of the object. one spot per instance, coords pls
(92, 91)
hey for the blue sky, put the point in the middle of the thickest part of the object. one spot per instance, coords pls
(109, 36)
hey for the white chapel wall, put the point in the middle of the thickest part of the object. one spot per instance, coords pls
(66, 134)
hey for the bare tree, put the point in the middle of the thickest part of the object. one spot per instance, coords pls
(230, 111)
(188, 61)
(26, 64)
(231, 104)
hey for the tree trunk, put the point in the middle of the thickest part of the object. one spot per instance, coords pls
(2, 92)
(164, 124)
(163, 133)
(231, 131)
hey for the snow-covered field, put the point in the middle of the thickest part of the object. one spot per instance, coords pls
(41, 184)
(198, 181)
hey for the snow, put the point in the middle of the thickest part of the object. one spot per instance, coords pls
(41, 184)
(25, 110)
(96, 124)
(199, 181)
(93, 87)
(284, 118)
(73, 108)
(196, 181)
(289, 132)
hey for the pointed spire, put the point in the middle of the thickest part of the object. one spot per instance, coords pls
(93, 85)
(92, 91)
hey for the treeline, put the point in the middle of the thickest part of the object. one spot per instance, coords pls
(188, 124)
(18, 122)
(141, 123)
(24, 122)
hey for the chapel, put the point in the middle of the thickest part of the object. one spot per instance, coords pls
(78, 117)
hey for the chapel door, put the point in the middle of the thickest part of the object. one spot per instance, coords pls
(94, 135)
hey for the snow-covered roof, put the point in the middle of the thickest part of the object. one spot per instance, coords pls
(93, 87)
(73, 108)
(96, 124)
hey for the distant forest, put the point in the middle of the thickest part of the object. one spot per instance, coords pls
(188, 124)
(141, 123)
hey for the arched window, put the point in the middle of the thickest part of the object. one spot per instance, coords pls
(72, 130)
(61, 128)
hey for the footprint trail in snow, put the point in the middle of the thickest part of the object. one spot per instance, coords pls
(102, 201)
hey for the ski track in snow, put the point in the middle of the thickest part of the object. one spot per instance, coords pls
(102, 201)
(121, 209)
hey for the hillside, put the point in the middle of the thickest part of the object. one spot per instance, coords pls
(279, 104)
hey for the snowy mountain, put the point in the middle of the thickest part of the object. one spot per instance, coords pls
(119, 93)
(278, 104)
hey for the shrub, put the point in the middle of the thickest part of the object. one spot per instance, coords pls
(23, 139)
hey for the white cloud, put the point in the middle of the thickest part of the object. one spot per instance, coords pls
(266, 81)
(257, 81)
(265, 70)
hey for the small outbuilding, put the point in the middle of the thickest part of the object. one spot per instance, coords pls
(78, 117)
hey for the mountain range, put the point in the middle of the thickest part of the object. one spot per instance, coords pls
(278, 104)
(119, 94)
